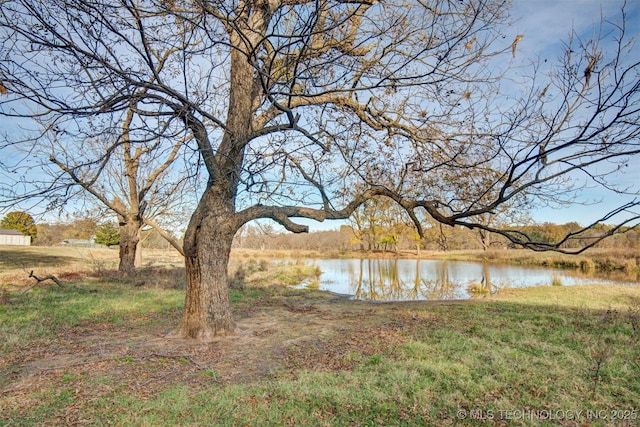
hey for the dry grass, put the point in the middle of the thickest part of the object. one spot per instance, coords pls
(72, 263)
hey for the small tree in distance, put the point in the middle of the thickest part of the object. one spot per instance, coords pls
(21, 221)
(107, 234)
(117, 167)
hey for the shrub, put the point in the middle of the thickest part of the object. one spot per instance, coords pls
(107, 234)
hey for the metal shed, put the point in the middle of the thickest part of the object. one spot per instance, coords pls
(13, 238)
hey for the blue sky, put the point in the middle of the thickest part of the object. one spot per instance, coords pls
(544, 24)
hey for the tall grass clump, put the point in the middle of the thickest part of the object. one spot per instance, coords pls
(587, 265)
(274, 273)
(631, 266)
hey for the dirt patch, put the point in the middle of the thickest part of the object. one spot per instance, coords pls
(269, 340)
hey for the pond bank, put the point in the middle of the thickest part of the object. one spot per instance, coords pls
(428, 279)
(606, 260)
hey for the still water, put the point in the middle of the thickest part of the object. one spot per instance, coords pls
(410, 279)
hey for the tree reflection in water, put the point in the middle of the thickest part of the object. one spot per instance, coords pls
(384, 280)
(410, 279)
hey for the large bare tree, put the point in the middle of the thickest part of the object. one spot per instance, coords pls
(306, 109)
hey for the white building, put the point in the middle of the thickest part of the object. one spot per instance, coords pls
(13, 238)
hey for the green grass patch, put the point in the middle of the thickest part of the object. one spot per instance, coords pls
(39, 314)
(420, 363)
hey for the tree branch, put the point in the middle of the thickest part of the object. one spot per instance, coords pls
(51, 277)
(168, 237)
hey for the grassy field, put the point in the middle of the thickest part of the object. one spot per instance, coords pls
(94, 352)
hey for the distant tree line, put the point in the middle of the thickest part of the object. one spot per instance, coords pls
(76, 228)
(267, 238)
(372, 231)
(395, 238)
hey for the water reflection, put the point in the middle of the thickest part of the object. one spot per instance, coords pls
(405, 279)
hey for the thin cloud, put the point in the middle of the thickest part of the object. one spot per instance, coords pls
(545, 24)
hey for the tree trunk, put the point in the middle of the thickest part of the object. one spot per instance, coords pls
(207, 247)
(138, 257)
(483, 240)
(129, 239)
(208, 239)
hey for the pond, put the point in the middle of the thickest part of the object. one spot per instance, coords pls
(410, 279)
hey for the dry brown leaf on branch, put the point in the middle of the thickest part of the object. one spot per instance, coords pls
(514, 45)
(593, 59)
(470, 43)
